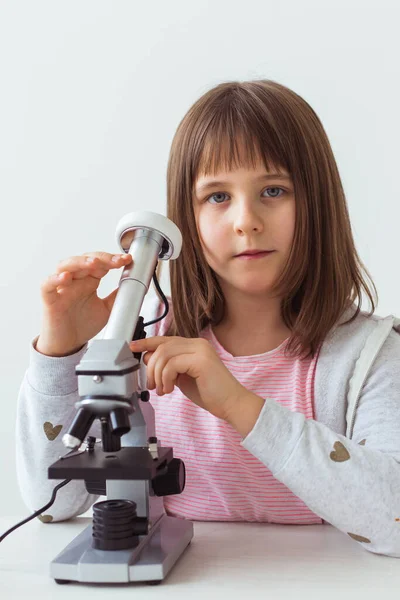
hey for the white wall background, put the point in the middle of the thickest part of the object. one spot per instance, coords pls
(91, 93)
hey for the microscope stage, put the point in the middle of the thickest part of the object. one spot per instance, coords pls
(127, 463)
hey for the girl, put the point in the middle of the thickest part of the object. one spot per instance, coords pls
(279, 394)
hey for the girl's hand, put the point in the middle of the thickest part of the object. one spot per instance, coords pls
(193, 365)
(73, 313)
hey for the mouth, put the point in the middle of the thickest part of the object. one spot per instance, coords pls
(255, 255)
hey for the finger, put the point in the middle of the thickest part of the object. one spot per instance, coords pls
(155, 360)
(169, 377)
(150, 383)
(160, 363)
(115, 260)
(177, 365)
(166, 360)
(152, 343)
(102, 260)
(145, 355)
(50, 285)
(95, 269)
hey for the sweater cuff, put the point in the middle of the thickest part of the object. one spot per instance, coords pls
(53, 375)
(274, 435)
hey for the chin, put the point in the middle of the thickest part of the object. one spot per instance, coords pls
(253, 288)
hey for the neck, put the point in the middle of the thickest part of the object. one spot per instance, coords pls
(251, 325)
(254, 313)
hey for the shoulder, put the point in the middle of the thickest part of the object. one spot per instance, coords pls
(378, 406)
(366, 350)
(388, 355)
(349, 338)
(368, 345)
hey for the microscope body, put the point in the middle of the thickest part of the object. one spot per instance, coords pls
(131, 538)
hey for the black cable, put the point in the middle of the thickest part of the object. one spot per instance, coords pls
(38, 512)
(164, 299)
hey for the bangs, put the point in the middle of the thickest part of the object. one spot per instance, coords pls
(236, 138)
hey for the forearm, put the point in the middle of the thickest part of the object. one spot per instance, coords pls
(244, 412)
(352, 486)
(45, 409)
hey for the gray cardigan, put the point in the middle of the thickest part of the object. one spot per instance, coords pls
(344, 464)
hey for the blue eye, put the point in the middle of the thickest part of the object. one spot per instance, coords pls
(223, 194)
(216, 194)
(274, 188)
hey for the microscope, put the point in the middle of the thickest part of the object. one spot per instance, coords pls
(131, 538)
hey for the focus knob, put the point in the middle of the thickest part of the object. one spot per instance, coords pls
(171, 482)
(145, 396)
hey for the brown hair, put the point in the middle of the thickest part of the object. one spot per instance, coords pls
(323, 274)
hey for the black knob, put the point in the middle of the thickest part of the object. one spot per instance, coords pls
(145, 396)
(91, 441)
(171, 482)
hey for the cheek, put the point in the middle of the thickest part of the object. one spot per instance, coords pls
(292, 221)
(285, 225)
(211, 236)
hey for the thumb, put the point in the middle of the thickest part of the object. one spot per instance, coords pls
(109, 300)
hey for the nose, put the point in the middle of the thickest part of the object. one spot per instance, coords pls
(247, 219)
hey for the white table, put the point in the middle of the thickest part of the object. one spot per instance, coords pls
(233, 559)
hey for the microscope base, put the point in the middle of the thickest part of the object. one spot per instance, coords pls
(155, 555)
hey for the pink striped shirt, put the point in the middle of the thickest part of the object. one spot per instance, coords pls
(224, 481)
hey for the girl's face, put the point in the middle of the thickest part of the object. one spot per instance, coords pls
(240, 210)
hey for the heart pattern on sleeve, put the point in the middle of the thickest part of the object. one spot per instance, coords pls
(359, 538)
(340, 453)
(51, 431)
